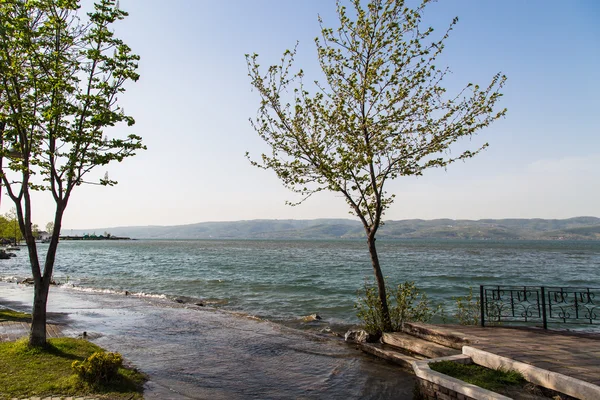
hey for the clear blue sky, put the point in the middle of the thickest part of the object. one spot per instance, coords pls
(194, 99)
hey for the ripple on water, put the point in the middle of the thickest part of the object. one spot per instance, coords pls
(288, 279)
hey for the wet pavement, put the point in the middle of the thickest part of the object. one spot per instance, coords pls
(12, 330)
(192, 352)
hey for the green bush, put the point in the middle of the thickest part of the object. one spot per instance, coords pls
(467, 309)
(406, 304)
(99, 368)
(368, 308)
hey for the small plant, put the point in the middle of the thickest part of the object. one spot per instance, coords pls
(406, 304)
(467, 309)
(99, 368)
(411, 306)
(368, 308)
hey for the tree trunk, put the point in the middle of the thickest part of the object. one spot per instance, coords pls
(37, 335)
(385, 312)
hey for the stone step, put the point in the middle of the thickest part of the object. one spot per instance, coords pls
(417, 345)
(443, 336)
(390, 354)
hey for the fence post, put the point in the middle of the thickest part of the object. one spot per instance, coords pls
(544, 320)
(482, 305)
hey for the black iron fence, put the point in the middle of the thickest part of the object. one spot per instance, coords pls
(539, 304)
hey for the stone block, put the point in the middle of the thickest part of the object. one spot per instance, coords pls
(444, 396)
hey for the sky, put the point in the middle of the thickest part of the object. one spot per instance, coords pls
(193, 102)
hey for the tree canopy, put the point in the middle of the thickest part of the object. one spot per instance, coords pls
(61, 74)
(9, 226)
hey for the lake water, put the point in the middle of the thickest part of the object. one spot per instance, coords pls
(195, 352)
(285, 280)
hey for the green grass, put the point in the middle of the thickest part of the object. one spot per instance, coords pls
(10, 315)
(490, 379)
(26, 371)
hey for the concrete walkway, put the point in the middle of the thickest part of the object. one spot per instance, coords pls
(13, 330)
(573, 354)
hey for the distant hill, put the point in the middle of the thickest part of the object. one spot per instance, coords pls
(579, 228)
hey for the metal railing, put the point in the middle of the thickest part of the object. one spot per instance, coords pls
(539, 304)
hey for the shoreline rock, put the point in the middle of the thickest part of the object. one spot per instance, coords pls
(357, 336)
(312, 317)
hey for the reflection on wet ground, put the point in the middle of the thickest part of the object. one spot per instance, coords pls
(198, 353)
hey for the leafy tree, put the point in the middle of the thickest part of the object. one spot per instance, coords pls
(381, 112)
(50, 227)
(11, 228)
(35, 229)
(6, 228)
(61, 74)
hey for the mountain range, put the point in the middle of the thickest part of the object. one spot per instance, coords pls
(579, 228)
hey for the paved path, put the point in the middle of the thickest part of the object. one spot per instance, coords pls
(12, 330)
(569, 353)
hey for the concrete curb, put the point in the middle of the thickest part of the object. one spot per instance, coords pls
(422, 370)
(431, 333)
(551, 380)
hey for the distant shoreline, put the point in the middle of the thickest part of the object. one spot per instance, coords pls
(94, 238)
(579, 228)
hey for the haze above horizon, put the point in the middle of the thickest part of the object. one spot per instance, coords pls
(193, 102)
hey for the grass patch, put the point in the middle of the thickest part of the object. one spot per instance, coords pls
(490, 379)
(10, 315)
(26, 371)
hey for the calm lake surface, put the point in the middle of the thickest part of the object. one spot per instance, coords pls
(285, 280)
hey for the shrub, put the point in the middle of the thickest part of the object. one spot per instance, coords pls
(99, 368)
(368, 308)
(411, 306)
(467, 309)
(406, 304)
